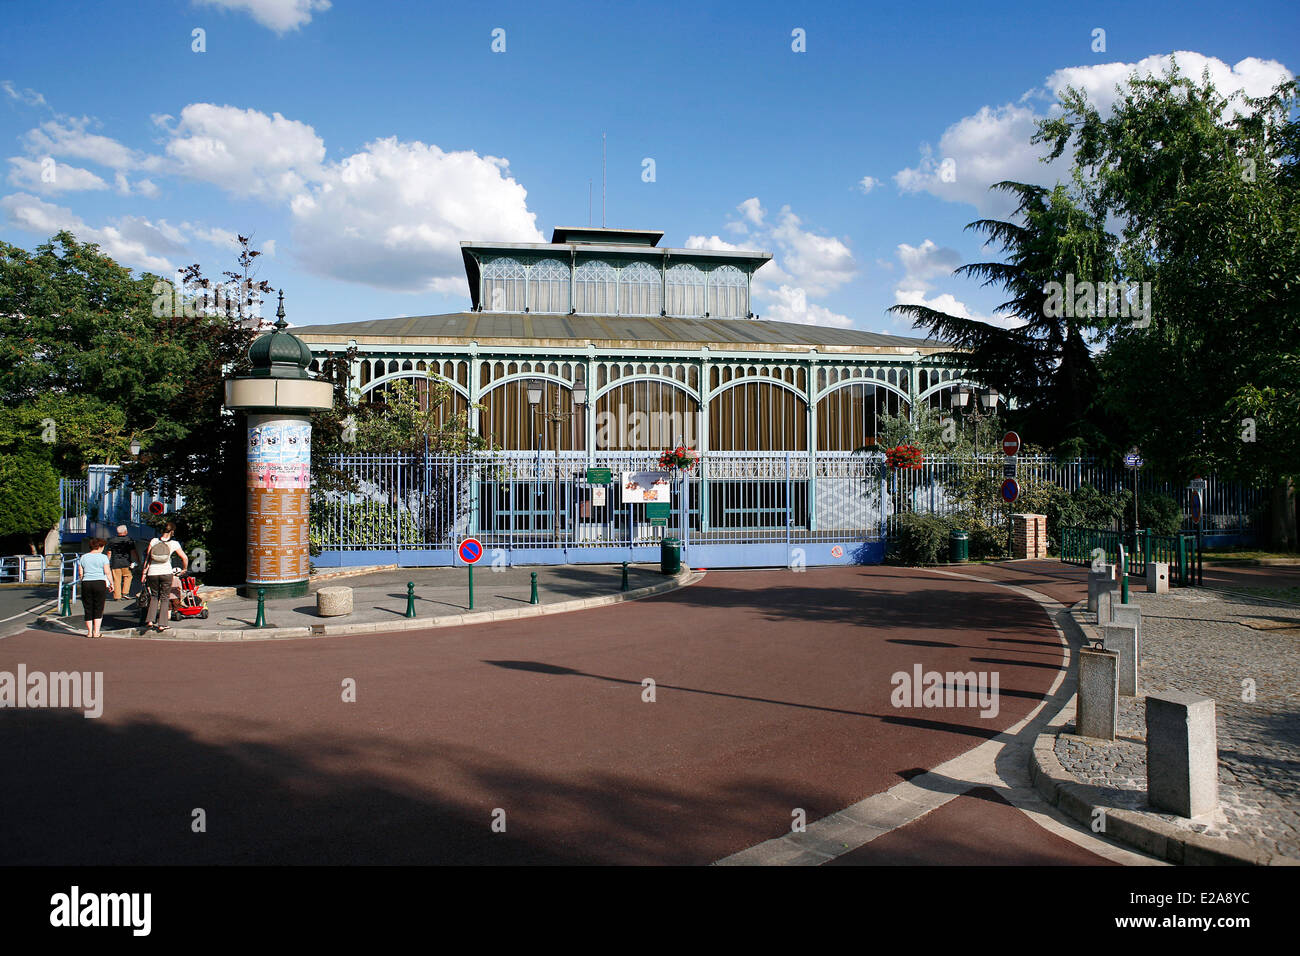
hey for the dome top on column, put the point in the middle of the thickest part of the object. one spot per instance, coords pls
(279, 353)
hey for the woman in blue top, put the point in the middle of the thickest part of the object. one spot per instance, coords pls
(92, 569)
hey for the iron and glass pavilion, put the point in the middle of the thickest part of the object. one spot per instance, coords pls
(664, 340)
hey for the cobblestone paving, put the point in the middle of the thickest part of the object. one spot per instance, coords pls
(1193, 640)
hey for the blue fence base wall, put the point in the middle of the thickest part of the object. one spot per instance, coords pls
(769, 555)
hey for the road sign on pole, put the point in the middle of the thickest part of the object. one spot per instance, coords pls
(1196, 508)
(1133, 459)
(470, 551)
(1010, 490)
(1010, 444)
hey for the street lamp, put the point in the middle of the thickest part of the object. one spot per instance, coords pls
(555, 416)
(135, 448)
(987, 400)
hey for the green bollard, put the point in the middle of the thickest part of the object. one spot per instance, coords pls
(66, 609)
(533, 599)
(1123, 578)
(624, 588)
(410, 599)
(261, 608)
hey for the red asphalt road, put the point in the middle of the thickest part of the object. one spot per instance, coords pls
(773, 693)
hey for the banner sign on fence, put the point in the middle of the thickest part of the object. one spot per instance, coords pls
(640, 487)
(599, 476)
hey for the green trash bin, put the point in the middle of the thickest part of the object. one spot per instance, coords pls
(959, 547)
(670, 555)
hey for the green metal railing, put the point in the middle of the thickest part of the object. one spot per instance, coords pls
(1079, 546)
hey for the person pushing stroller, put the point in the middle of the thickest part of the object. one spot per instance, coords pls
(158, 576)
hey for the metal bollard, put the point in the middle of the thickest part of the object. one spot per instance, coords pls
(261, 608)
(1123, 578)
(66, 609)
(624, 587)
(533, 599)
(410, 599)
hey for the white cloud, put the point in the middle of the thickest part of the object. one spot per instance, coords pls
(925, 262)
(786, 304)
(132, 241)
(752, 210)
(393, 215)
(70, 136)
(804, 264)
(278, 15)
(26, 96)
(952, 306)
(993, 144)
(62, 178)
(245, 152)
(142, 187)
(868, 183)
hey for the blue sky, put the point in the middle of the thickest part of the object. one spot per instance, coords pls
(360, 141)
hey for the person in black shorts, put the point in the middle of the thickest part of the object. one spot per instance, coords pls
(92, 569)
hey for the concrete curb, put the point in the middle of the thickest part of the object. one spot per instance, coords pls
(208, 635)
(220, 593)
(1140, 830)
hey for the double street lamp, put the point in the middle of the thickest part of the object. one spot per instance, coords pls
(987, 398)
(555, 415)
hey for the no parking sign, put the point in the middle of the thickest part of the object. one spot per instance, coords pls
(470, 550)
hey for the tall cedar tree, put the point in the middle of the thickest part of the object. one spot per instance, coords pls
(1044, 364)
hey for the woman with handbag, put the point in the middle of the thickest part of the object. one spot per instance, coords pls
(158, 576)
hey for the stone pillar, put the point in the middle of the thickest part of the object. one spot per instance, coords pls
(1157, 577)
(1028, 536)
(1122, 639)
(1097, 706)
(1108, 598)
(1182, 754)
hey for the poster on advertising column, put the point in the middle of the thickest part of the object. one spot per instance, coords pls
(279, 490)
(642, 487)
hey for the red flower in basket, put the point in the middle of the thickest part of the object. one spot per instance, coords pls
(680, 458)
(905, 457)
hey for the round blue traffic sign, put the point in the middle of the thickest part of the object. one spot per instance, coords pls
(1196, 507)
(471, 549)
(1010, 490)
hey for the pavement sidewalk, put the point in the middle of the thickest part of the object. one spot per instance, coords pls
(380, 599)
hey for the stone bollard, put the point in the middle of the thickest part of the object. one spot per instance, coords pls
(1130, 615)
(1107, 601)
(1157, 577)
(1097, 582)
(1097, 707)
(1182, 754)
(1122, 639)
(333, 602)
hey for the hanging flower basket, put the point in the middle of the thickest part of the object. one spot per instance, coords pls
(905, 457)
(679, 459)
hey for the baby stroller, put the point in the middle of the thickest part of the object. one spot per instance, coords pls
(189, 604)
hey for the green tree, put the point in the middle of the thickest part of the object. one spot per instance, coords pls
(1205, 186)
(29, 499)
(1044, 364)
